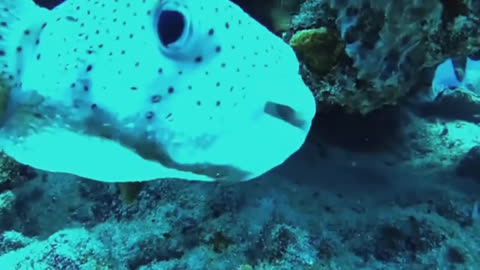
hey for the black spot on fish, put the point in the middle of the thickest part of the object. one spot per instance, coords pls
(149, 115)
(171, 90)
(71, 19)
(156, 98)
(89, 68)
(198, 59)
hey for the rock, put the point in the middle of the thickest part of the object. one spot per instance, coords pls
(469, 166)
(393, 47)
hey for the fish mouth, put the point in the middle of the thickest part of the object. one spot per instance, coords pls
(287, 114)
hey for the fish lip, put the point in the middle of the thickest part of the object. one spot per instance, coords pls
(286, 113)
(180, 44)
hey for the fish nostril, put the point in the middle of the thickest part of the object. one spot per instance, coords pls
(284, 113)
(170, 26)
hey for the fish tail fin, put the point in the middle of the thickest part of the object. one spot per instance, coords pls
(21, 22)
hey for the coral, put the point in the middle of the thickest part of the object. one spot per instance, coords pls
(469, 165)
(13, 174)
(245, 267)
(455, 255)
(129, 191)
(285, 246)
(393, 47)
(154, 248)
(220, 242)
(458, 104)
(403, 239)
(7, 201)
(65, 250)
(319, 49)
(12, 240)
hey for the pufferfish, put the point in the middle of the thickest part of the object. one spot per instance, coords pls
(136, 90)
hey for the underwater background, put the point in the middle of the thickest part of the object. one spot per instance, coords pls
(389, 177)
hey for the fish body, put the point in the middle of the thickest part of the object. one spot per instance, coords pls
(121, 91)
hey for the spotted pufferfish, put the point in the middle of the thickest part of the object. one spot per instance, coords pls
(135, 90)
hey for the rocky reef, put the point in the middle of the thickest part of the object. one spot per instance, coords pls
(390, 48)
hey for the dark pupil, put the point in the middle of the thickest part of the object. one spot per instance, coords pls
(170, 26)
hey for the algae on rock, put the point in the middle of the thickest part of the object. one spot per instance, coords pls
(318, 48)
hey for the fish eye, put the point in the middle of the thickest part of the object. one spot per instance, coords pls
(171, 26)
(174, 27)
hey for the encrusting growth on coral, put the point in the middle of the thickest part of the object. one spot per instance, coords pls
(319, 49)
